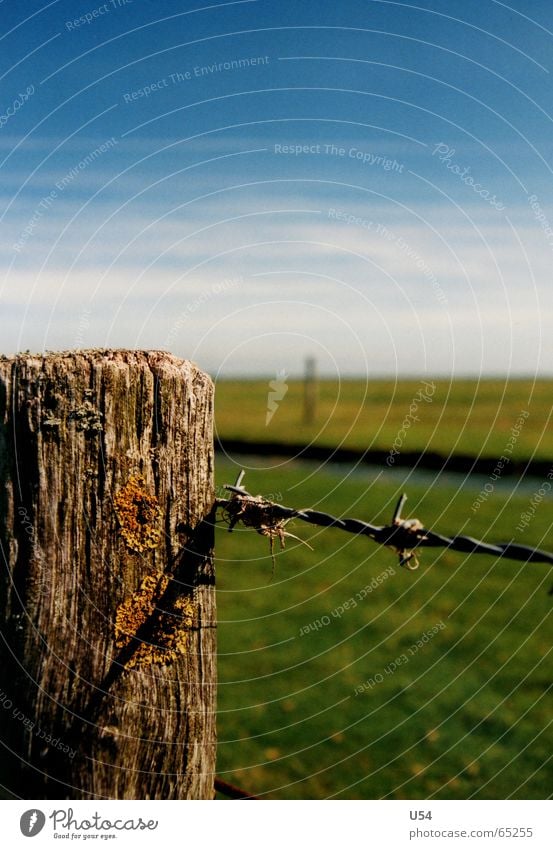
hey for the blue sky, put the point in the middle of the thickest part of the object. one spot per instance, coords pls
(250, 183)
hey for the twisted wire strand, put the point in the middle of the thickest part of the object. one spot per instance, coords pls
(405, 536)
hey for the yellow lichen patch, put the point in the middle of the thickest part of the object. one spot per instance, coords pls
(170, 637)
(165, 638)
(134, 611)
(139, 515)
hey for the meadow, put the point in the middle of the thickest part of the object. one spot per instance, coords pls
(468, 417)
(345, 676)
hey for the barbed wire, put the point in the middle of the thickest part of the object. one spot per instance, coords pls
(404, 536)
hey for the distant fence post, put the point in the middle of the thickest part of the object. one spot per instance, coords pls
(310, 391)
(107, 597)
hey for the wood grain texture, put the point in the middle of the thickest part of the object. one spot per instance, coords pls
(107, 589)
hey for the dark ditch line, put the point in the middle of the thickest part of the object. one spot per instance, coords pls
(424, 460)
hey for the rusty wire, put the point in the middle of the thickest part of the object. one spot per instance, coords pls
(404, 536)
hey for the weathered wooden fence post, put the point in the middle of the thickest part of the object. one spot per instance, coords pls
(108, 666)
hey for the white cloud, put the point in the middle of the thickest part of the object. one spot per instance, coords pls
(150, 280)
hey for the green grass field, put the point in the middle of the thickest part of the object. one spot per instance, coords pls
(467, 714)
(464, 416)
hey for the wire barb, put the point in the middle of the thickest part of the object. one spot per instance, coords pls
(414, 534)
(258, 513)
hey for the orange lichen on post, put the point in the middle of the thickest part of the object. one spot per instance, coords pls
(135, 610)
(166, 635)
(139, 515)
(171, 635)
